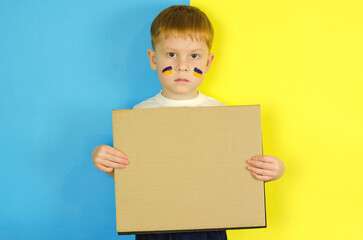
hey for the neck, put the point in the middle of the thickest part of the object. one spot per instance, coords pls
(175, 96)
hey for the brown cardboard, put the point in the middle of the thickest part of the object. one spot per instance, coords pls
(187, 169)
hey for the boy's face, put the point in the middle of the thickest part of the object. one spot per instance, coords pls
(181, 64)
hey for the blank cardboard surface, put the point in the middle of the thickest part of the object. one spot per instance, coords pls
(183, 164)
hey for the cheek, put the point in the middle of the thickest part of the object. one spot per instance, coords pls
(165, 74)
(198, 72)
(199, 68)
(167, 71)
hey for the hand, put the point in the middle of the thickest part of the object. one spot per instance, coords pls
(266, 168)
(106, 158)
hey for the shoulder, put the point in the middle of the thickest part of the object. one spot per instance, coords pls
(209, 101)
(148, 103)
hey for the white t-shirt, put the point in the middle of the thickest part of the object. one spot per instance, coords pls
(159, 101)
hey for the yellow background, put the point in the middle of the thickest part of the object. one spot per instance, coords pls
(303, 62)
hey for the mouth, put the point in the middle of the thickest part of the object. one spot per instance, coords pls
(181, 80)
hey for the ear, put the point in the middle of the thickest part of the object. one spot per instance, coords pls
(152, 59)
(209, 62)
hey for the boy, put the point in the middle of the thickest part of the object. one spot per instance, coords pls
(181, 38)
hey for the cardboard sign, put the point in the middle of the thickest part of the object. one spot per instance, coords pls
(187, 169)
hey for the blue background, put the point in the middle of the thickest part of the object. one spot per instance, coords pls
(64, 66)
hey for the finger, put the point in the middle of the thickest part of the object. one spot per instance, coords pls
(263, 158)
(261, 164)
(262, 178)
(104, 168)
(110, 164)
(115, 159)
(115, 152)
(260, 171)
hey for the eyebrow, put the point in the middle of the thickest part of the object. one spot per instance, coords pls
(175, 50)
(198, 49)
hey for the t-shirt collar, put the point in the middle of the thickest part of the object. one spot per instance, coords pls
(179, 103)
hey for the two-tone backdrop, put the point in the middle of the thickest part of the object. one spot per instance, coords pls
(64, 65)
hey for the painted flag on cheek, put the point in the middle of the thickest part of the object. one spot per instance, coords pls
(198, 72)
(167, 70)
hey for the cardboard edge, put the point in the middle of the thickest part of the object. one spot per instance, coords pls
(264, 183)
(188, 230)
(185, 108)
(114, 112)
(113, 144)
(264, 196)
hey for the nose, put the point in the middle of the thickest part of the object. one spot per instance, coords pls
(182, 66)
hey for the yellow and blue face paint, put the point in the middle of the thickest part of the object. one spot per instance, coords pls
(167, 70)
(198, 72)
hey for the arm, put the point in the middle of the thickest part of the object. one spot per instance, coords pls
(266, 168)
(107, 158)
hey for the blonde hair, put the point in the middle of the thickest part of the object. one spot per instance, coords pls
(182, 20)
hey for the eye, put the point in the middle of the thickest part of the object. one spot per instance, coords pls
(171, 54)
(194, 56)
